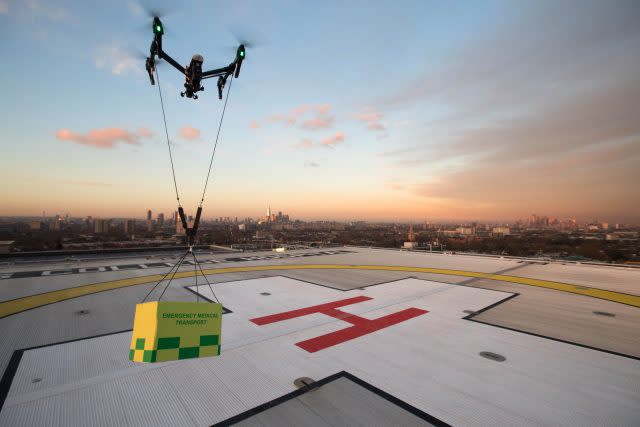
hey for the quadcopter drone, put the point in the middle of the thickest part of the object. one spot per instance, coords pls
(193, 72)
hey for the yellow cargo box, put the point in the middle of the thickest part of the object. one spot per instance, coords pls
(164, 331)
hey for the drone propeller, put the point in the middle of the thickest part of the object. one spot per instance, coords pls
(137, 53)
(154, 11)
(247, 38)
(156, 14)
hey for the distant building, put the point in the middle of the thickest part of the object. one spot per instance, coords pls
(129, 226)
(501, 231)
(160, 219)
(56, 223)
(35, 225)
(465, 231)
(179, 227)
(622, 235)
(101, 226)
(149, 213)
(411, 237)
(5, 246)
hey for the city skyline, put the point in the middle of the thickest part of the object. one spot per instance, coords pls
(542, 219)
(485, 112)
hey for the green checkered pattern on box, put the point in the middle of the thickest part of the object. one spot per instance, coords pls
(168, 346)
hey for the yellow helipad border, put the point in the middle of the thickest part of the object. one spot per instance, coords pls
(7, 308)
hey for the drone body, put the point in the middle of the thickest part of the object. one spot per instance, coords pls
(193, 72)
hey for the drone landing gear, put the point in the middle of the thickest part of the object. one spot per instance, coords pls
(221, 82)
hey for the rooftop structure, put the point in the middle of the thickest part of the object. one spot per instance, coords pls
(328, 337)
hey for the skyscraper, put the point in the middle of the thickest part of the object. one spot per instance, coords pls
(101, 226)
(149, 215)
(412, 236)
(129, 226)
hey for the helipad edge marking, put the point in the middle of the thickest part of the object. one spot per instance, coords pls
(18, 305)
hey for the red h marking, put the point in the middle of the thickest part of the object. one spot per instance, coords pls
(361, 326)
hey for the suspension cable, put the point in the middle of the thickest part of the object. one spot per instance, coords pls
(174, 275)
(175, 269)
(195, 274)
(205, 278)
(166, 131)
(177, 265)
(206, 182)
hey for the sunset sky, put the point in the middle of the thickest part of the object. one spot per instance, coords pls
(373, 110)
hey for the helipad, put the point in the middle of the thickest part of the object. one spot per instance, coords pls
(396, 337)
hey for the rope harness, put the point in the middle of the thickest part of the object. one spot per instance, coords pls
(190, 232)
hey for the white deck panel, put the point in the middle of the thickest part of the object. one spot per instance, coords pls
(430, 361)
(616, 279)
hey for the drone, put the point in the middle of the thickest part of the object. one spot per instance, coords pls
(193, 72)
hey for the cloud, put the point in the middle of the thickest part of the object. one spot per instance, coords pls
(334, 140)
(51, 12)
(305, 144)
(118, 60)
(254, 125)
(541, 115)
(311, 165)
(376, 127)
(321, 116)
(318, 123)
(276, 118)
(535, 56)
(104, 138)
(136, 9)
(189, 133)
(145, 132)
(373, 120)
(4, 7)
(577, 157)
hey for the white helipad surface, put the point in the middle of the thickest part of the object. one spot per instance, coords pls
(430, 361)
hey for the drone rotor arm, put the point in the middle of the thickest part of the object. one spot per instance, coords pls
(171, 61)
(218, 72)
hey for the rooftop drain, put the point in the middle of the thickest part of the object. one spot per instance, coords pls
(265, 293)
(604, 313)
(303, 382)
(492, 356)
(36, 380)
(82, 312)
